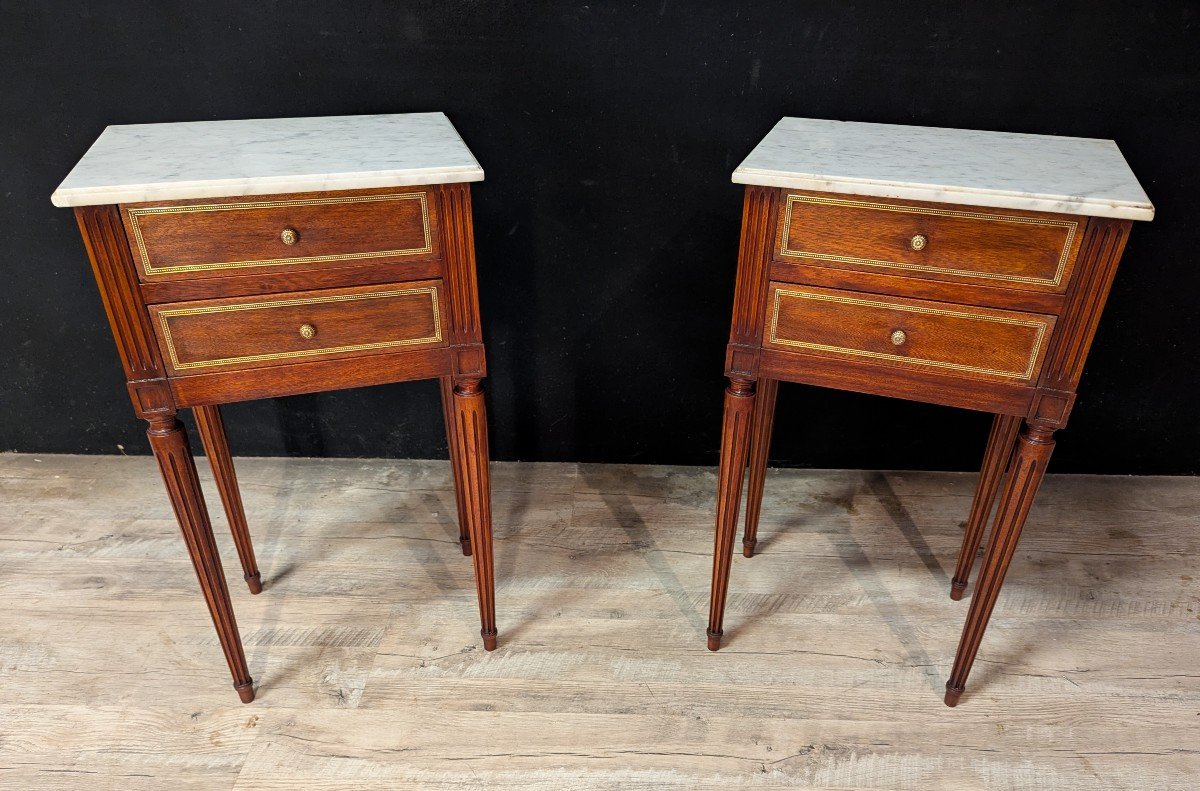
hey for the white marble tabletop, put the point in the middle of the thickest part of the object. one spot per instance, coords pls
(1071, 175)
(214, 159)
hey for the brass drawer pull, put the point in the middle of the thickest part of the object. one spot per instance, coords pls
(289, 236)
(308, 332)
(899, 337)
(918, 242)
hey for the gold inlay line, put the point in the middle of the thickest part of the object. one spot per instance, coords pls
(1040, 326)
(151, 270)
(1063, 258)
(165, 315)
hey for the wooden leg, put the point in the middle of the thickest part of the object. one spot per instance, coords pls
(469, 456)
(170, 445)
(995, 460)
(464, 536)
(760, 446)
(735, 446)
(1025, 475)
(216, 447)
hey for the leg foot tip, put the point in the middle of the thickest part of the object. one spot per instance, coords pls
(254, 582)
(465, 543)
(489, 641)
(952, 695)
(957, 589)
(714, 640)
(245, 691)
(748, 547)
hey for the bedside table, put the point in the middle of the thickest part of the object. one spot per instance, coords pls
(252, 259)
(953, 267)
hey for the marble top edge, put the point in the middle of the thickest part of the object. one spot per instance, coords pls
(1070, 175)
(937, 193)
(131, 163)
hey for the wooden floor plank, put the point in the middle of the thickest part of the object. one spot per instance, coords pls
(365, 642)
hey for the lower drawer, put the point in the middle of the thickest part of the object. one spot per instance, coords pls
(252, 332)
(969, 341)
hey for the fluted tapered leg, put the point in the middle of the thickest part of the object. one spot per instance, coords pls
(735, 447)
(212, 434)
(760, 446)
(169, 442)
(469, 455)
(464, 536)
(995, 461)
(1025, 474)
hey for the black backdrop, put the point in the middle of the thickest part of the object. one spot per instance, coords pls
(607, 227)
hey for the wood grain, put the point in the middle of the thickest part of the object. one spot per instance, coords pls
(198, 239)
(972, 342)
(373, 677)
(211, 428)
(241, 333)
(1019, 250)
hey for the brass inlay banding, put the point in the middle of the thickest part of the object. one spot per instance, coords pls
(152, 270)
(165, 315)
(1070, 227)
(1034, 353)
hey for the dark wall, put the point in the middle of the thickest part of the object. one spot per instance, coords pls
(607, 227)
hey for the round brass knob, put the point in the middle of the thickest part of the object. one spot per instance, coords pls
(308, 332)
(899, 337)
(289, 236)
(918, 242)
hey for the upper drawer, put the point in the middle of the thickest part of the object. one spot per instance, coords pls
(1021, 250)
(250, 332)
(979, 343)
(197, 239)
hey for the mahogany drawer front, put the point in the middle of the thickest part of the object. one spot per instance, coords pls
(204, 239)
(974, 342)
(1019, 250)
(252, 332)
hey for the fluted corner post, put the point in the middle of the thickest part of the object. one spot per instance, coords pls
(735, 447)
(473, 483)
(760, 446)
(1028, 467)
(211, 427)
(1000, 444)
(170, 445)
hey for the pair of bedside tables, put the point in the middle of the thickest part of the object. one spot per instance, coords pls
(251, 259)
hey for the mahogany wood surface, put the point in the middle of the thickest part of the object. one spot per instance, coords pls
(309, 376)
(1020, 250)
(760, 447)
(999, 450)
(276, 281)
(801, 272)
(182, 240)
(993, 318)
(735, 447)
(170, 444)
(211, 427)
(472, 485)
(464, 534)
(862, 375)
(256, 332)
(973, 342)
(1025, 476)
(216, 330)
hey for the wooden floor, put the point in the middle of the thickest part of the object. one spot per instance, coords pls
(370, 674)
